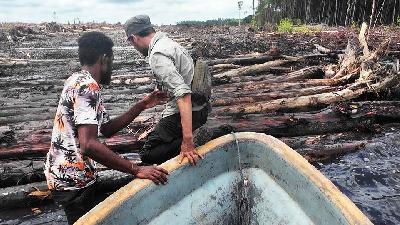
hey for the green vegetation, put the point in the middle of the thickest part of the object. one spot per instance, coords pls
(253, 22)
(285, 26)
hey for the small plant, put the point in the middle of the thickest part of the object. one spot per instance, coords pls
(354, 25)
(398, 21)
(253, 22)
(302, 29)
(285, 26)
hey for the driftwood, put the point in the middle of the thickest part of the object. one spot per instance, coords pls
(327, 152)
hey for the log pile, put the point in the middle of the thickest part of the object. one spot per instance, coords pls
(321, 109)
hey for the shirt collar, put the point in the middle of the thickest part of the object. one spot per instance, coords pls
(154, 40)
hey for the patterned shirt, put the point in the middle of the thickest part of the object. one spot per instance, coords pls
(80, 103)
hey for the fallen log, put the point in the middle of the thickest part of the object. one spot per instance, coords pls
(346, 94)
(244, 61)
(312, 72)
(343, 117)
(267, 86)
(12, 63)
(280, 70)
(119, 143)
(38, 193)
(327, 152)
(221, 67)
(18, 172)
(132, 80)
(240, 98)
(232, 80)
(21, 172)
(253, 70)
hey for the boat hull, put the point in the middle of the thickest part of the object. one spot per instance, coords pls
(272, 185)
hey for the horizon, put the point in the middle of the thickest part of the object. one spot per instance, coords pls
(70, 11)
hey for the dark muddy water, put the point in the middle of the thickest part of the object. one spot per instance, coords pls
(371, 178)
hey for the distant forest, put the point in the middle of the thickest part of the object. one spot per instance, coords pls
(331, 12)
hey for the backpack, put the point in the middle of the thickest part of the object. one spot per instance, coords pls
(201, 84)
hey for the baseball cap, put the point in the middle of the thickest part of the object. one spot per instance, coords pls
(137, 24)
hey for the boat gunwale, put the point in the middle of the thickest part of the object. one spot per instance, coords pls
(349, 210)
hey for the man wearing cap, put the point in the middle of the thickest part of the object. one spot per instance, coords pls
(173, 68)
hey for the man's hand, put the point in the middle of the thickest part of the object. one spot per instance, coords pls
(154, 98)
(188, 151)
(156, 174)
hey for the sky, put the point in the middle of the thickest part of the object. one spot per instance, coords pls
(161, 12)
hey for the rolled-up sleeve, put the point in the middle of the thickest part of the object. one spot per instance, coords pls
(166, 72)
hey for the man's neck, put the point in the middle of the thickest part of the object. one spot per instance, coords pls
(94, 71)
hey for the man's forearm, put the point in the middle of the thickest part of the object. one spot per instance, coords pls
(102, 154)
(120, 122)
(185, 110)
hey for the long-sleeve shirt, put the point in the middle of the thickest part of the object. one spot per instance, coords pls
(173, 68)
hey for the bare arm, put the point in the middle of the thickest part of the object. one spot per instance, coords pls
(118, 123)
(97, 151)
(187, 147)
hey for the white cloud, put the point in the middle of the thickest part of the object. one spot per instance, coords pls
(112, 11)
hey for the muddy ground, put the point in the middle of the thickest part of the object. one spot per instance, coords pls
(44, 56)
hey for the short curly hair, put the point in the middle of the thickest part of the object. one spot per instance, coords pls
(92, 45)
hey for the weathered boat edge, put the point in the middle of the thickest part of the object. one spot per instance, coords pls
(350, 211)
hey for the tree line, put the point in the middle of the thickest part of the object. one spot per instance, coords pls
(220, 21)
(331, 12)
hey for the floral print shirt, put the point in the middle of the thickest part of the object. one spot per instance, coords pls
(80, 103)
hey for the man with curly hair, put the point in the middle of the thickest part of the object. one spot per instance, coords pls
(70, 172)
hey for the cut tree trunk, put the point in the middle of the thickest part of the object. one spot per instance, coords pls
(120, 143)
(36, 193)
(336, 118)
(267, 86)
(240, 98)
(18, 172)
(327, 152)
(253, 70)
(244, 61)
(346, 94)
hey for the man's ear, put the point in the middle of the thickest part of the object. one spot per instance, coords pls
(103, 59)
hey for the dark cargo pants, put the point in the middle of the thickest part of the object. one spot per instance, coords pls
(76, 203)
(164, 142)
